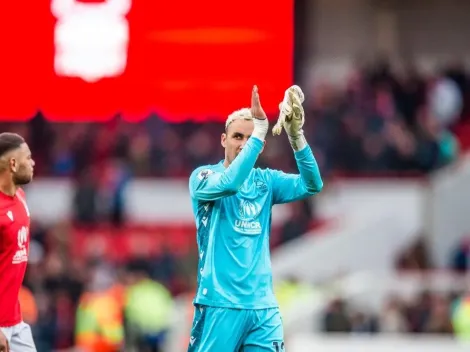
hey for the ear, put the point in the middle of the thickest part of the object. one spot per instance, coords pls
(13, 165)
(223, 140)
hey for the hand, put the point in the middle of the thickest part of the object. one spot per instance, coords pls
(295, 121)
(256, 109)
(292, 115)
(4, 347)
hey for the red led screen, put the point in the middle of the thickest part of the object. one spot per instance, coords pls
(183, 59)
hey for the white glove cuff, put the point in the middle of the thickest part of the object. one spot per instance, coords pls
(261, 128)
(298, 142)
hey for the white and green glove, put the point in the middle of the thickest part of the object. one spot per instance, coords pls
(292, 117)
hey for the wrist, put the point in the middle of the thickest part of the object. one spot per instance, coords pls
(298, 141)
(261, 128)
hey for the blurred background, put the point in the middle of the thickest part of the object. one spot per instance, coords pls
(121, 99)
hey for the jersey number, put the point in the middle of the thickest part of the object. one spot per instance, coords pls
(279, 347)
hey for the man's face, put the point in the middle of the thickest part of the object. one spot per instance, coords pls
(22, 165)
(236, 136)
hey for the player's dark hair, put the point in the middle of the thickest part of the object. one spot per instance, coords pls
(9, 141)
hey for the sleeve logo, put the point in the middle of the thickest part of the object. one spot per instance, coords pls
(204, 174)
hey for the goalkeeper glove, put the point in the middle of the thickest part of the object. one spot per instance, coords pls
(292, 117)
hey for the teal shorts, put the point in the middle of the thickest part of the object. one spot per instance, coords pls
(236, 330)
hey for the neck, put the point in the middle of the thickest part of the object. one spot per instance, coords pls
(8, 187)
(226, 163)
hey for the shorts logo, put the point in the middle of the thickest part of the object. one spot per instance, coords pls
(278, 346)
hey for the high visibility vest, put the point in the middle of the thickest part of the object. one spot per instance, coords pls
(461, 319)
(99, 322)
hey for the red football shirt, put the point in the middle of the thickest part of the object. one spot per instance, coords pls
(14, 250)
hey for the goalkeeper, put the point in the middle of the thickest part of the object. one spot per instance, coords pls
(235, 307)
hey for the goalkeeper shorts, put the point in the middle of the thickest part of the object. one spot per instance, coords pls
(236, 330)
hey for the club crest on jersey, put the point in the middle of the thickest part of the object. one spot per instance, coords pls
(204, 174)
(261, 186)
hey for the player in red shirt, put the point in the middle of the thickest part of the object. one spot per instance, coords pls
(16, 169)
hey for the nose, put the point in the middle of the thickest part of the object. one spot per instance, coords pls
(33, 163)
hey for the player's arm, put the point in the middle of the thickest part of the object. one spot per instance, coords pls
(4, 347)
(291, 187)
(206, 185)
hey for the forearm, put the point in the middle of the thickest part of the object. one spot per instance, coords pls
(226, 183)
(308, 168)
(298, 142)
(241, 166)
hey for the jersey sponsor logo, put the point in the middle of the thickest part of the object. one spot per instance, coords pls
(248, 223)
(204, 174)
(248, 210)
(248, 227)
(21, 254)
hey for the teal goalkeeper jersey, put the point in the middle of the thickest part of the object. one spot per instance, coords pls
(232, 208)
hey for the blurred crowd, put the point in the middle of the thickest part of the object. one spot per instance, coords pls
(428, 313)
(95, 303)
(381, 120)
(391, 121)
(437, 311)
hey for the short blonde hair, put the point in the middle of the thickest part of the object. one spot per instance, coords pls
(242, 114)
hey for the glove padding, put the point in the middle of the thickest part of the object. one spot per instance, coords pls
(292, 115)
